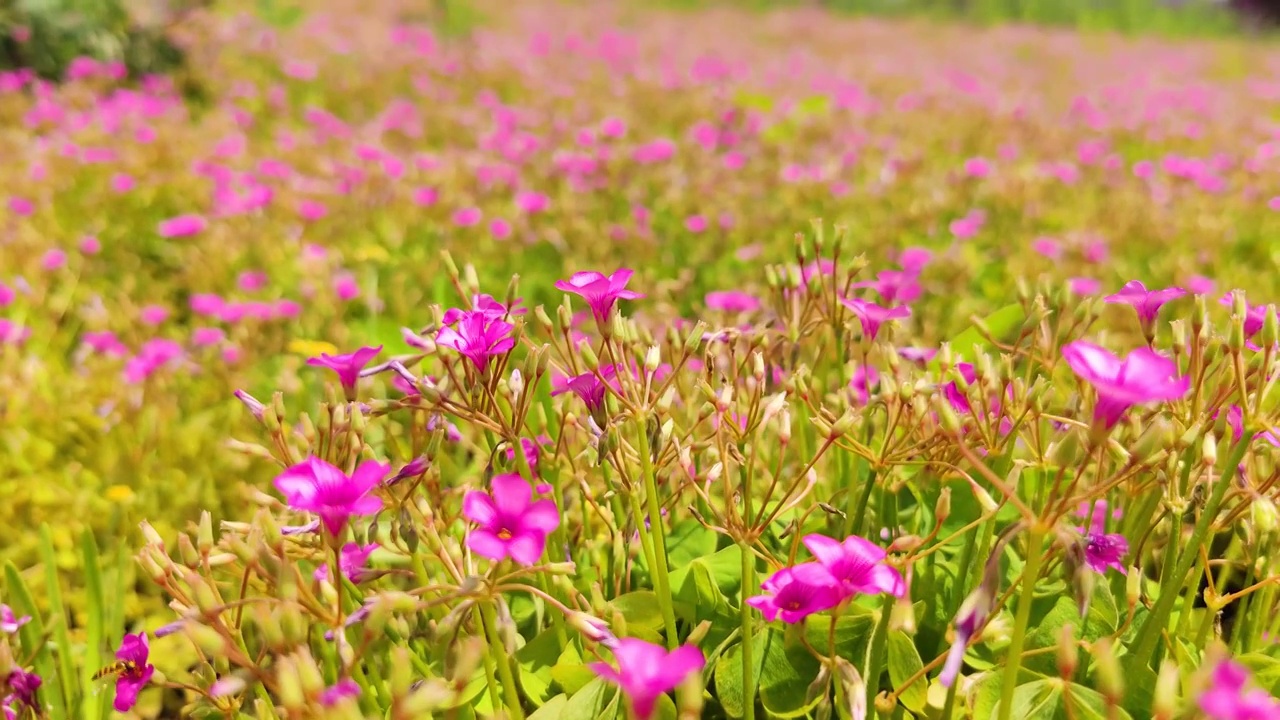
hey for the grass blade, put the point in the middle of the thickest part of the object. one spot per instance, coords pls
(58, 614)
(94, 706)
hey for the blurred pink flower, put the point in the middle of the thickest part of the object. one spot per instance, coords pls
(153, 314)
(182, 226)
(500, 229)
(345, 286)
(53, 259)
(89, 245)
(467, 217)
(1142, 377)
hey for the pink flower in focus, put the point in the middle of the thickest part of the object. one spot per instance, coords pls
(793, 594)
(510, 524)
(1146, 302)
(894, 286)
(134, 651)
(347, 366)
(315, 486)
(857, 564)
(600, 292)
(1143, 377)
(478, 337)
(1103, 550)
(182, 226)
(646, 671)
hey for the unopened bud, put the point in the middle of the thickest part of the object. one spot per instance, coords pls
(1209, 451)
(854, 687)
(652, 359)
(1067, 652)
(1165, 700)
(942, 509)
(149, 532)
(1133, 587)
(209, 641)
(1110, 679)
(588, 356)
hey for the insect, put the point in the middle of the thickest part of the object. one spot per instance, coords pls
(120, 667)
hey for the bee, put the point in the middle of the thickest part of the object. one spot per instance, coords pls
(119, 667)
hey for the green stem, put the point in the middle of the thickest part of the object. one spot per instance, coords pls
(858, 513)
(498, 651)
(661, 576)
(748, 620)
(876, 651)
(1013, 663)
(1158, 620)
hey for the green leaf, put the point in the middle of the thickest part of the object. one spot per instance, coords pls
(1265, 670)
(1002, 325)
(569, 671)
(553, 709)
(1089, 704)
(590, 702)
(1037, 700)
(905, 662)
(783, 673)
(537, 659)
(689, 541)
(58, 613)
(32, 634)
(852, 633)
(94, 707)
(723, 566)
(1100, 620)
(641, 612)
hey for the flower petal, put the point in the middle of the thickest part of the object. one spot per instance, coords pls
(486, 544)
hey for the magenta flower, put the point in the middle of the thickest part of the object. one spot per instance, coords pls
(793, 594)
(1235, 420)
(1084, 285)
(587, 386)
(872, 316)
(1103, 550)
(486, 304)
(1146, 302)
(864, 377)
(732, 302)
(133, 652)
(347, 366)
(23, 685)
(183, 226)
(510, 524)
(9, 623)
(314, 485)
(1228, 696)
(857, 564)
(917, 355)
(1255, 315)
(153, 355)
(646, 671)
(344, 688)
(351, 562)
(895, 286)
(600, 292)
(973, 613)
(478, 337)
(1143, 377)
(952, 391)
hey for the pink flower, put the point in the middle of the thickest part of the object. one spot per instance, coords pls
(600, 292)
(21, 206)
(613, 127)
(857, 564)
(917, 354)
(969, 225)
(153, 355)
(864, 377)
(894, 286)
(11, 333)
(973, 613)
(347, 366)
(977, 167)
(7, 294)
(1255, 315)
(311, 210)
(1228, 696)
(206, 336)
(485, 304)
(183, 226)
(914, 259)
(9, 623)
(1200, 285)
(351, 561)
(89, 245)
(154, 314)
(339, 691)
(1146, 302)
(478, 337)
(500, 229)
(654, 152)
(695, 224)
(345, 286)
(587, 386)
(793, 594)
(105, 343)
(1047, 247)
(1084, 285)
(731, 301)
(646, 671)
(1143, 377)
(134, 651)
(425, 196)
(53, 259)
(509, 524)
(532, 202)
(122, 183)
(1103, 550)
(468, 216)
(315, 486)
(872, 316)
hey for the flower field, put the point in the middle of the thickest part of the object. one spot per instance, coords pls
(587, 360)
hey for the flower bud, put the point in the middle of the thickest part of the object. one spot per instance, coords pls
(258, 410)
(1165, 700)
(1235, 334)
(1133, 587)
(946, 415)
(588, 356)
(1067, 652)
(149, 532)
(1209, 451)
(204, 533)
(854, 687)
(209, 641)
(843, 425)
(942, 509)
(652, 359)
(592, 628)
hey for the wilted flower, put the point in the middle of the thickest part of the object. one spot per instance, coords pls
(133, 653)
(347, 366)
(600, 292)
(314, 485)
(478, 337)
(646, 671)
(510, 523)
(1143, 377)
